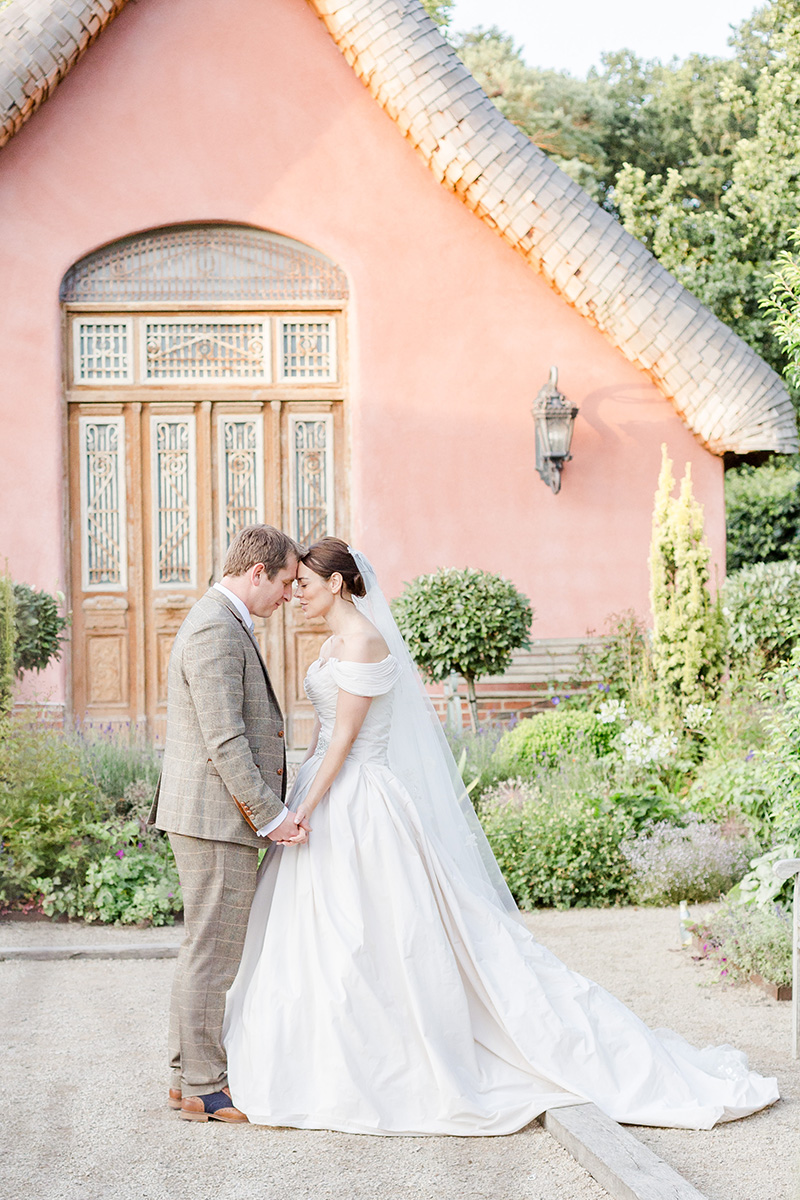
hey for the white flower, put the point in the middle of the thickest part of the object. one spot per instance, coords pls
(643, 745)
(695, 716)
(611, 711)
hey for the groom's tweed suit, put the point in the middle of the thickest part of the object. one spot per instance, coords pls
(223, 777)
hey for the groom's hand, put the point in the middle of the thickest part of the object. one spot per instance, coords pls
(289, 832)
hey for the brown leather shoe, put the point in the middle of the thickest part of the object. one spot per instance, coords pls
(174, 1098)
(211, 1108)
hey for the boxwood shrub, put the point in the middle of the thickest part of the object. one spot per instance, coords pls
(542, 740)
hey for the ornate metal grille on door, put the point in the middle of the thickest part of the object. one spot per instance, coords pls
(103, 502)
(174, 475)
(241, 475)
(312, 478)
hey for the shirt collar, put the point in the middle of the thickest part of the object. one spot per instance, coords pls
(238, 604)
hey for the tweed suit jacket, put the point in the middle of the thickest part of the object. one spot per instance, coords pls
(224, 770)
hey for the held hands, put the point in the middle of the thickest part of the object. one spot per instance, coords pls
(291, 831)
(302, 815)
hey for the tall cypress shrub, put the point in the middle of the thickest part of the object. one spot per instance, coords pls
(689, 633)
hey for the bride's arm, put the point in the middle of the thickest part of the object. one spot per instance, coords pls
(350, 714)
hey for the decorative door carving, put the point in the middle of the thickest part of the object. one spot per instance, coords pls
(205, 371)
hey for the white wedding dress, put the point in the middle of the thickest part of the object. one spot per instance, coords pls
(379, 994)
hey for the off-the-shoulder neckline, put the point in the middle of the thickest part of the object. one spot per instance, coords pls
(352, 661)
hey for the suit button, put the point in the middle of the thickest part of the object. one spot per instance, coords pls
(280, 770)
(280, 733)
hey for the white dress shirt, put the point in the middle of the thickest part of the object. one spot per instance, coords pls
(244, 613)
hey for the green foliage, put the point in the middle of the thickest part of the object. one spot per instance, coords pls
(475, 753)
(620, 662)
(465, 621)
(542, 740)
(66, 843)
(8, 637)
(700, 159)
(747, 940)
(763, 513)
(689, 633)
(565, 117)
(760, 886)
(783, 303)
(782, 757)
(39, 627)
(47, 806)
(439, 11)
(739, 787)
(719, 219)
(561, 855)
(132, 878)
(116, 758)
(762, 606)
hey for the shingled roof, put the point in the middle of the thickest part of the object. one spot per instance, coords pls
(722, 389)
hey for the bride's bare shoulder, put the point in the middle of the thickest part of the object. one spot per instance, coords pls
(364, 645)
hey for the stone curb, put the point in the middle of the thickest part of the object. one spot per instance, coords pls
(619, 1162)
(57, 953)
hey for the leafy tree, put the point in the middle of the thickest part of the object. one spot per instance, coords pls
(782, 303)
(719, 220)
(763, 513)
(439, 11)
(564, 116)
(38, 626)
(465, 621)
(762, 605)
(699, 159)
(688, 627)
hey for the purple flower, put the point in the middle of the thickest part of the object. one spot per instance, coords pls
(750, 754)
(140, 845)
(170, 895)
(555, 699)
(120, 854)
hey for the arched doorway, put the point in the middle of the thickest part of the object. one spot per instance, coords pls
(205, 380)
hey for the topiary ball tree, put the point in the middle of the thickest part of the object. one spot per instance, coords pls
(465, 621)
(38, 625)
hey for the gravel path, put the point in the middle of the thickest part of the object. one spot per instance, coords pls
(84, 1086)
(634, 953)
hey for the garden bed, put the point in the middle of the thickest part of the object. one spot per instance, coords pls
(740, 940)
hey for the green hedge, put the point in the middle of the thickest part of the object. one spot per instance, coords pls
(763, 513)
(557, 855)
(762, 607)
(541, 740)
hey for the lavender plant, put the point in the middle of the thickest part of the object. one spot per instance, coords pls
(695, 861)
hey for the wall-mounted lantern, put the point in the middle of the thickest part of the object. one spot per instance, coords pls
(553, 418)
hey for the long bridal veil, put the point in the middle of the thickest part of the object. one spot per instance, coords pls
(421, 758)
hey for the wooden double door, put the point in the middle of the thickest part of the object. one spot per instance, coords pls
(158, 487)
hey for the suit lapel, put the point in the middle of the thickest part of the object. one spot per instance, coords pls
(222, 599)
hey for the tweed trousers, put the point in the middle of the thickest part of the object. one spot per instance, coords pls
(218, 881)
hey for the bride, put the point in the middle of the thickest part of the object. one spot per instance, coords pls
(388, 984)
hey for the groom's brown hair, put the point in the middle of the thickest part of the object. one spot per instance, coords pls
(260, 544)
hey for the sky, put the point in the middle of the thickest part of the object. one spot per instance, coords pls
(571, 34)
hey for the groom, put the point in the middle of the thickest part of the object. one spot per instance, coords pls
(220, 795)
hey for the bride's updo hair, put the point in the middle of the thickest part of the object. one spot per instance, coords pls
(329, 555)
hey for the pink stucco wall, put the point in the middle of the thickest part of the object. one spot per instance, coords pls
(183, 112)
